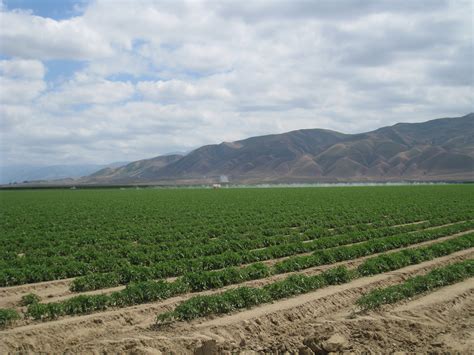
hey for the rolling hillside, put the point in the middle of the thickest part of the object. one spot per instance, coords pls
(441, 149)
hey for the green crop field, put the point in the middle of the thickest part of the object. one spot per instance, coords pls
(212, 238)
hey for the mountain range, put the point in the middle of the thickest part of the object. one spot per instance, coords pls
(436, 150)
(22, 173)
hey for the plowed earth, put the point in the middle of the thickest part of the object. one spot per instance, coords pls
(320, 321)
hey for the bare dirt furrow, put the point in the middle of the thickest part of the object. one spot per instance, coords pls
(51, 291)
(277, 260)
(396, 225)
(427, 300)
(62, 291)
(286, 325)
(49, 287)
(130, 328)
(354, 286)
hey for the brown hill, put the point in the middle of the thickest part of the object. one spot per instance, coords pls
(441, 149)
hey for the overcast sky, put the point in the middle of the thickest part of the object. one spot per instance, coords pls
(103, 81)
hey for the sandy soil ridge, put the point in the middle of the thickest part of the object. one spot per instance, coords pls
(57, 290)
(302, 320)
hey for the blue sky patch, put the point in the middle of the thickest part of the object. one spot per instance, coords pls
(56, 9)
(61, 70)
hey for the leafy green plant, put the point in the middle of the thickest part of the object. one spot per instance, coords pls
(201, 277)
(85, 304)
(43, 311)
(150, 291)
(419, 284)
(397, 260)
(206, 280)
(131, 236)
(349, 252)
(8, 316)
(297, 284)
(30, 298)
(245, 297)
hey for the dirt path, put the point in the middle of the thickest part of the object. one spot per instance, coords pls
(293, 302)
(53, 291)
(60, 291)
(128, 329)
(433, 297)
(438, 321)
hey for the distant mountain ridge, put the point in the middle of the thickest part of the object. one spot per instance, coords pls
(440, 149)
(21, 173)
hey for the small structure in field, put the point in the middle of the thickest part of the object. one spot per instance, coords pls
(224, 179)
(216, 186)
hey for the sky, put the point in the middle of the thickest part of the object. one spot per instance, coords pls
(101, 81)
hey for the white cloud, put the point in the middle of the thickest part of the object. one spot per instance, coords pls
(20, 68)
(122, 63)
(165, 76)
(177, 90)
(20, 91)
(21, 81)
(13, 115)
(84, 90)
(25, 35)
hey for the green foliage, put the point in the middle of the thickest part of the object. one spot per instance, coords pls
(7, 317)
(206, 280)
(223, 303)
(197, 268)
(150, 291)
(30, 298)
(84, 304)
(397, 260)
(106, 238)
(245, 297)
(134, 293)
(419, 284)
(147, 291)
(298, 283)
(42, 311)
(117, 237)
(95, 281)
(329, 256)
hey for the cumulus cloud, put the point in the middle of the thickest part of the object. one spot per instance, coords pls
(25, 35)
(178, 90)
(172, 75)
(19, 91)
(21, 81)
(84, 90)
(20, 68)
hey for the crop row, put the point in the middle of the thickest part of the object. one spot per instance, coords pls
(419, 284)
(158, 218)
(148, 291)
(369, 247)
(128, 274)
(379, 240)
(245, 297)
(199, 281)
(28, 270)
(48, 268)
(151, 291)
(8, 316)
(57, 234)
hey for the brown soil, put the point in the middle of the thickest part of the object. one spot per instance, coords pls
(58, 290)
(324, 319)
